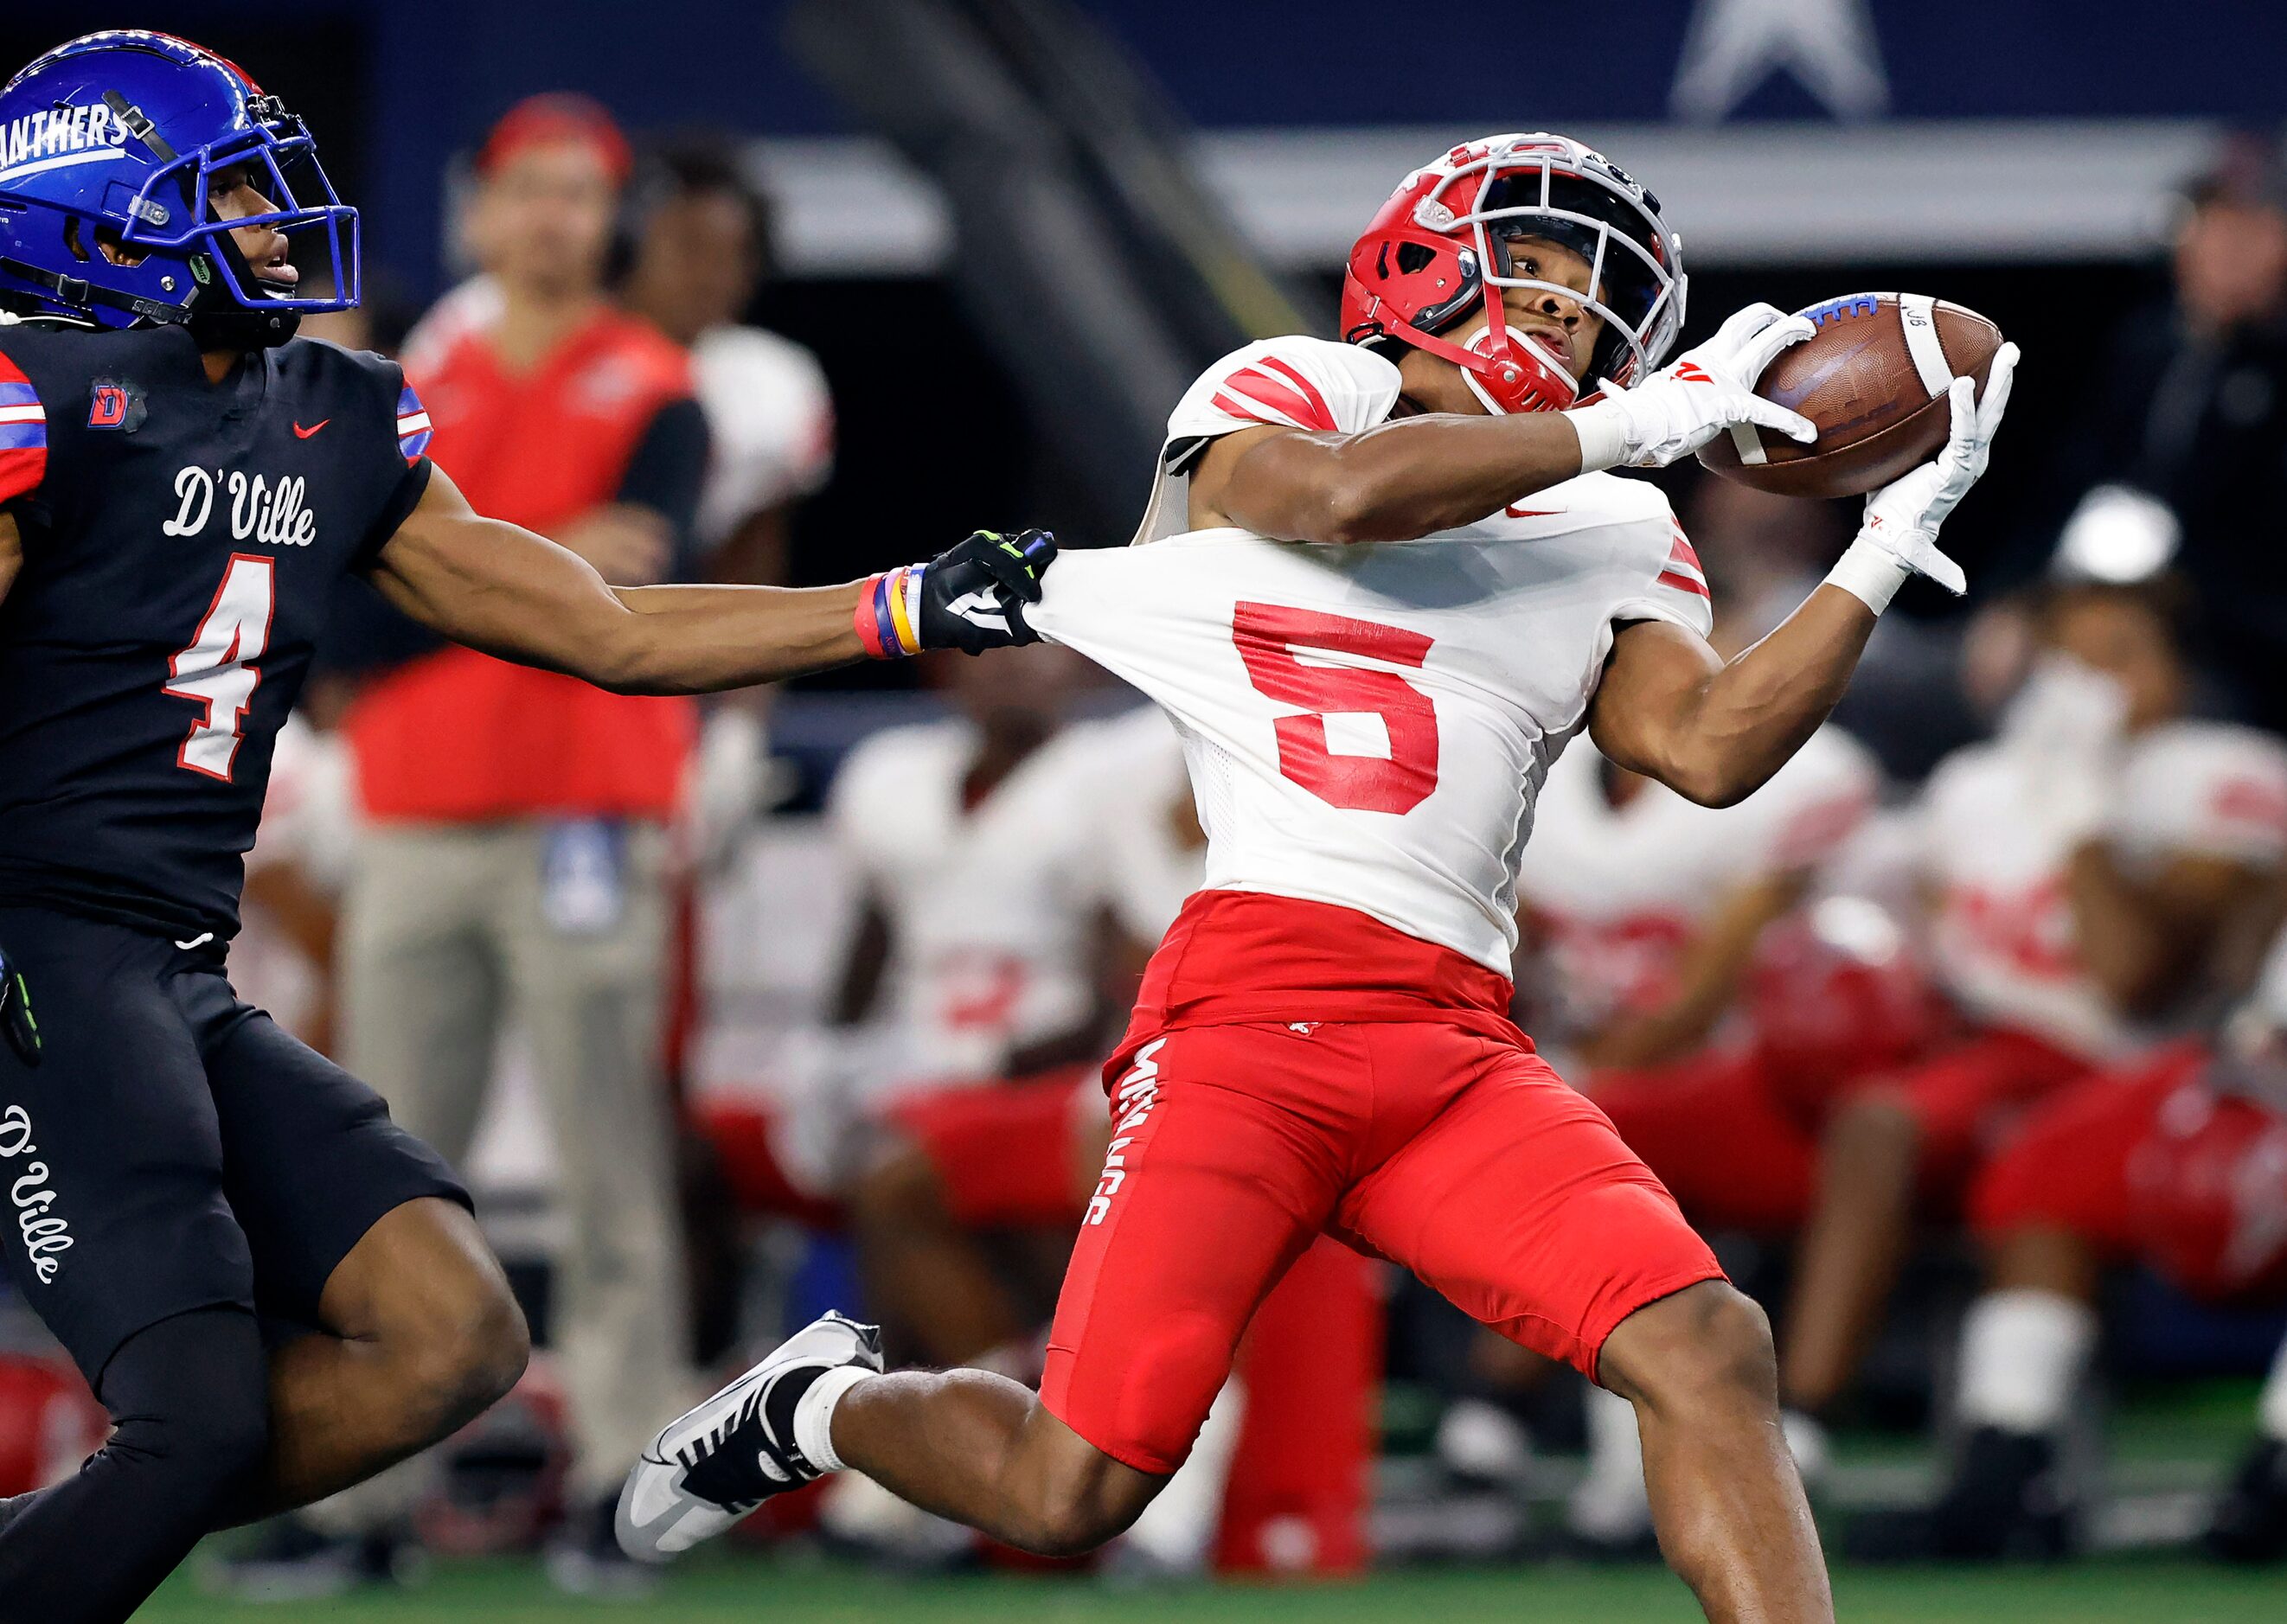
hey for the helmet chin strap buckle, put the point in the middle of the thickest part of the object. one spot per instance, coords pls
(1528, 378)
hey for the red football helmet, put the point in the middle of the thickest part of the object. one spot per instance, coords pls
(1439, 247)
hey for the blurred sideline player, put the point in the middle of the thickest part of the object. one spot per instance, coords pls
(182, 486)
(970, 958)
(974, 937)
(2080, 871)
(2177, 1162)
(695, 243)
(1322, 1042)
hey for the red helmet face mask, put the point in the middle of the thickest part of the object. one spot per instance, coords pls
(1438, 253)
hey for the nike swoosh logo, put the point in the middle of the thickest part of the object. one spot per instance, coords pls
(300, 433)
(1532, 513)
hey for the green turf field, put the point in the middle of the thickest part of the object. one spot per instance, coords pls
(2143, 1591)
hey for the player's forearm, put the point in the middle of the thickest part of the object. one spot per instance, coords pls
(1749, 718)
(694, 640)
(1405, 479)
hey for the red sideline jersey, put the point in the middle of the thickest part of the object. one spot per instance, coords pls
(459, 736)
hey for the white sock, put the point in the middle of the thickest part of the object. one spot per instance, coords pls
(2022, 1353)
(2271, 1408)
(814, 1416)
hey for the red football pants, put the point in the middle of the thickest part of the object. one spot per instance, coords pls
(1462, 1156)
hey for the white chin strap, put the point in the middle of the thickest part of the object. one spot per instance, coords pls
(1518, 341)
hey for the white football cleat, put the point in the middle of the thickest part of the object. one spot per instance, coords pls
(713, 1464)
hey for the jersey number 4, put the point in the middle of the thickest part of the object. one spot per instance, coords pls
(218, 670)
(1337, 752)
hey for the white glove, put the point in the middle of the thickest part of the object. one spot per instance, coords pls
(1903, 517)
(1684, 405)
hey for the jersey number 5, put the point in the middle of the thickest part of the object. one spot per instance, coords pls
(1392, 773)
(218, 670)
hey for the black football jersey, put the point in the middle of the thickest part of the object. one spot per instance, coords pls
(181, 542)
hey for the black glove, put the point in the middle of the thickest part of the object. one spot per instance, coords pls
(16, 1021)
(973, 595)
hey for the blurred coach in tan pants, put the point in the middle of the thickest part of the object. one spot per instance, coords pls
(516, 863)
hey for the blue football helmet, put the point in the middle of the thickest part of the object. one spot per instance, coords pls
(113, 139)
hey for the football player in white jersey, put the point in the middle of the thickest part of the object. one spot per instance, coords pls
(1387, 580)
(972, 939)
(2080, 870)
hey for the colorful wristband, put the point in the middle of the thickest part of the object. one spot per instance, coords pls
(888, 617)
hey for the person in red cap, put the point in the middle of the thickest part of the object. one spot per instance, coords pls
(516, 863)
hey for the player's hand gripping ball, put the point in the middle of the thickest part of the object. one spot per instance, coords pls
(1903, 517)
(1875, 380)
(1688, 402)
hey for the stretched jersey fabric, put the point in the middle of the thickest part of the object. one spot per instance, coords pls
(181, 541)
(1368, 726)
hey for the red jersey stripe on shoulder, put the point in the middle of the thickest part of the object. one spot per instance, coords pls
(1684, 583)
(1282, 401)
(1319, 410)
(1232, 408)
(10, 373)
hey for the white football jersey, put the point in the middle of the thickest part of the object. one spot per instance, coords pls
(1620, 891)
(2002, 927)
(990, 907)
(1368, 725)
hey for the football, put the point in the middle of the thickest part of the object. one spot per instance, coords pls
(1873, 379)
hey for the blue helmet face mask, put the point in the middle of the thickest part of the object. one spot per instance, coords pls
(126, 141)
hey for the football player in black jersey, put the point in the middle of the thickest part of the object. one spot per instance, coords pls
(273, 1291)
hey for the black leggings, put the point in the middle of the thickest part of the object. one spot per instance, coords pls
(189, 1397)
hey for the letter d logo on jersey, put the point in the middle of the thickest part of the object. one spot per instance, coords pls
(114, 405)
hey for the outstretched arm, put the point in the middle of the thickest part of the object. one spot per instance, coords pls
(1417, 476)
(1394, 483)
(500, 589)
(1714, 732)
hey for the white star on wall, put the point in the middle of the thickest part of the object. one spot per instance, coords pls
(1733, 47)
